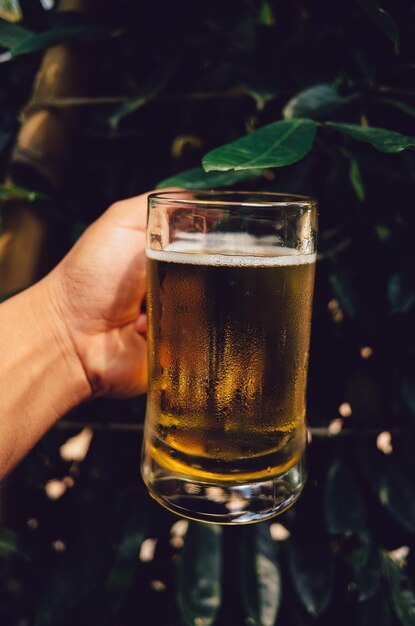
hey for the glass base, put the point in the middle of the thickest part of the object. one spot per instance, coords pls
(224, 502)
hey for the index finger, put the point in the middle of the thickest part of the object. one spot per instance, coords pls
(132, 212)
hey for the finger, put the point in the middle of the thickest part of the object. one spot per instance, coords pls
(182, 212)
(141, 325)
(136, 365)
(132, 212)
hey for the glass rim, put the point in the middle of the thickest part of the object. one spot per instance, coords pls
(282, 200)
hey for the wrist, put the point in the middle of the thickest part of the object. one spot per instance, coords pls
(53, 331)
(41, 378)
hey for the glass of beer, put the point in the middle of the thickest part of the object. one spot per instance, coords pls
(229, 299)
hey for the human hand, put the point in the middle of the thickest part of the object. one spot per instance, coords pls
(97, 292)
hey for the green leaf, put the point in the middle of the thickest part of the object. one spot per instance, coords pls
(147, 92)
(12, 34)
(275, 145)
(359, 555)
(316, 102)
(105, 604)
(39, 41)
(389, 480)
(366, 578)
(121, 575)
(266, 14)
(10, 10)
(311, 568)
(373, 609)
(397, 104)
(345, 514)
(197, 178)
(380, 138)
(401, 293)
(13, 192)
(344, 507)
(260, 575)
(356, 181)
(381, 18)
(400, 589)
(199, 593)
(10, 545)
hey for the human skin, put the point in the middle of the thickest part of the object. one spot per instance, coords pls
(76, 334)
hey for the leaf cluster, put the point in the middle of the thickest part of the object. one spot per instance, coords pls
(298, 97)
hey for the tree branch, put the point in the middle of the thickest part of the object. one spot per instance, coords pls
(52, 103)
(320, 432)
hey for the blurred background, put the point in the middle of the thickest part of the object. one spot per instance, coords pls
(102, 100)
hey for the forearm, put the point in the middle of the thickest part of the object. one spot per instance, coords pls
(41, 377)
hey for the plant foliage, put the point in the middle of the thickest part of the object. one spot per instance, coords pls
(300, 97)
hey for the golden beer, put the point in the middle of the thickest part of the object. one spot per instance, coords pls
(228, 353)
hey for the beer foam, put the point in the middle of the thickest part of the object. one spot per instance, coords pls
(230, 249)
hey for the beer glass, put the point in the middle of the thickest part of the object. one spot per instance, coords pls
(229, 298)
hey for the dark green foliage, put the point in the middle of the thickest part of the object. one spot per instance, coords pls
(12, 34)
(10, 545)
(389, 478)
(260, 576)
(83, 565)
(302, 97)
(22, 41)
(146, 93)
(373, 605)
(401, 293)
(197, 178)
(344, 507)
(277, 144)
(356, 180)
(199, 583)
(311, 567)
(381, 18)
(401, 590)
(379, 138)
(14, 192)
(316, 102)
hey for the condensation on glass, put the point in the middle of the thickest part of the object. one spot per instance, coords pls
(229, 299)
